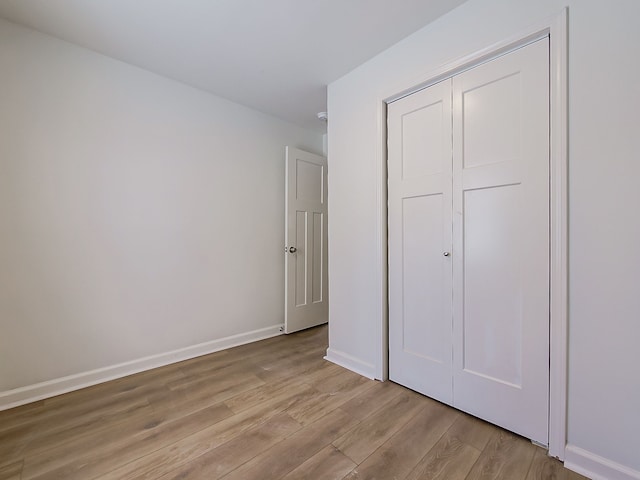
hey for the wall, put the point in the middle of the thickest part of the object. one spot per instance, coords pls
(604, 385)
(138, 218)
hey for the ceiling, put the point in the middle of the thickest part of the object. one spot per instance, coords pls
(276, 56)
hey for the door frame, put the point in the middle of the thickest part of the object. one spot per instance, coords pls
(556, 28)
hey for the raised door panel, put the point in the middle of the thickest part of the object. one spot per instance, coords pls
(422, 326)
(492, 121)
(492, 327)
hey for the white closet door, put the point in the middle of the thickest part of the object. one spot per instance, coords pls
(419, 136)
(501, 249)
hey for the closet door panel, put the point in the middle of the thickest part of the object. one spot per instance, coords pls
(419, 134)
(501, 232)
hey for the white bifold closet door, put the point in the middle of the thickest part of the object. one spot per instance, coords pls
(469, 241)
(420, 229)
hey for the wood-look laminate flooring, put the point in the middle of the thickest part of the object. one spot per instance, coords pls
(269, 410)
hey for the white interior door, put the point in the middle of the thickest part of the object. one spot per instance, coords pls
(472, 328)
(501, 249)
(306, 300)
(420, 146)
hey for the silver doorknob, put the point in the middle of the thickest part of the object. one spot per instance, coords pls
(446, 254)
(293, 249)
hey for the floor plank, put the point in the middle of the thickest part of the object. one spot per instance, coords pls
(472, 431)
(279, 388)
(328, 464)
(372, 399)
(402, 452)
(449, 459)
(363, 440)
(24, 415)
(11, 471)
(295, 450)
(506, 457)
(98, 457)
(310, 409)
(191, 447)
(225, 458)
(13, 442)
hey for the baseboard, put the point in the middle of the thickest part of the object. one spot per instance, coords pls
(596, 467)
(51, 388)
(350, 363)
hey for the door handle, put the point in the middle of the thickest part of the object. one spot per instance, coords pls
(446, 254)
(293, 249)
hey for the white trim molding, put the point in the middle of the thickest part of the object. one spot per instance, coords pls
(556, 28)
(596, 467)
(58, 386)
(382, 347)
(559, 241)
(350, 363)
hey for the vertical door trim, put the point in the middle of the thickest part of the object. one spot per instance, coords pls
(559, 308)
(556, 28)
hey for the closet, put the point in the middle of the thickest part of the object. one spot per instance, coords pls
(468, 191)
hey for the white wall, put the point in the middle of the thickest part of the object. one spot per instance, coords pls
(604, 384)
(138, 216)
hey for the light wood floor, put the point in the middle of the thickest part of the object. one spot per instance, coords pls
(273, 409)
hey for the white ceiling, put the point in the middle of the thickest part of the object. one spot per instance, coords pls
(276, 56)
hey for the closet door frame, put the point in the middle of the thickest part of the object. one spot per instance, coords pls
(556, 29)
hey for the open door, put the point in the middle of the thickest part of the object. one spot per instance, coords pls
(305, 298)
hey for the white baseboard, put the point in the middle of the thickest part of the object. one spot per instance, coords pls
(596, 467)
(58, 386)
(351, 363)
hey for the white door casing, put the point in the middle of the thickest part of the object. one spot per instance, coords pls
(499, 329)
(306, 292)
